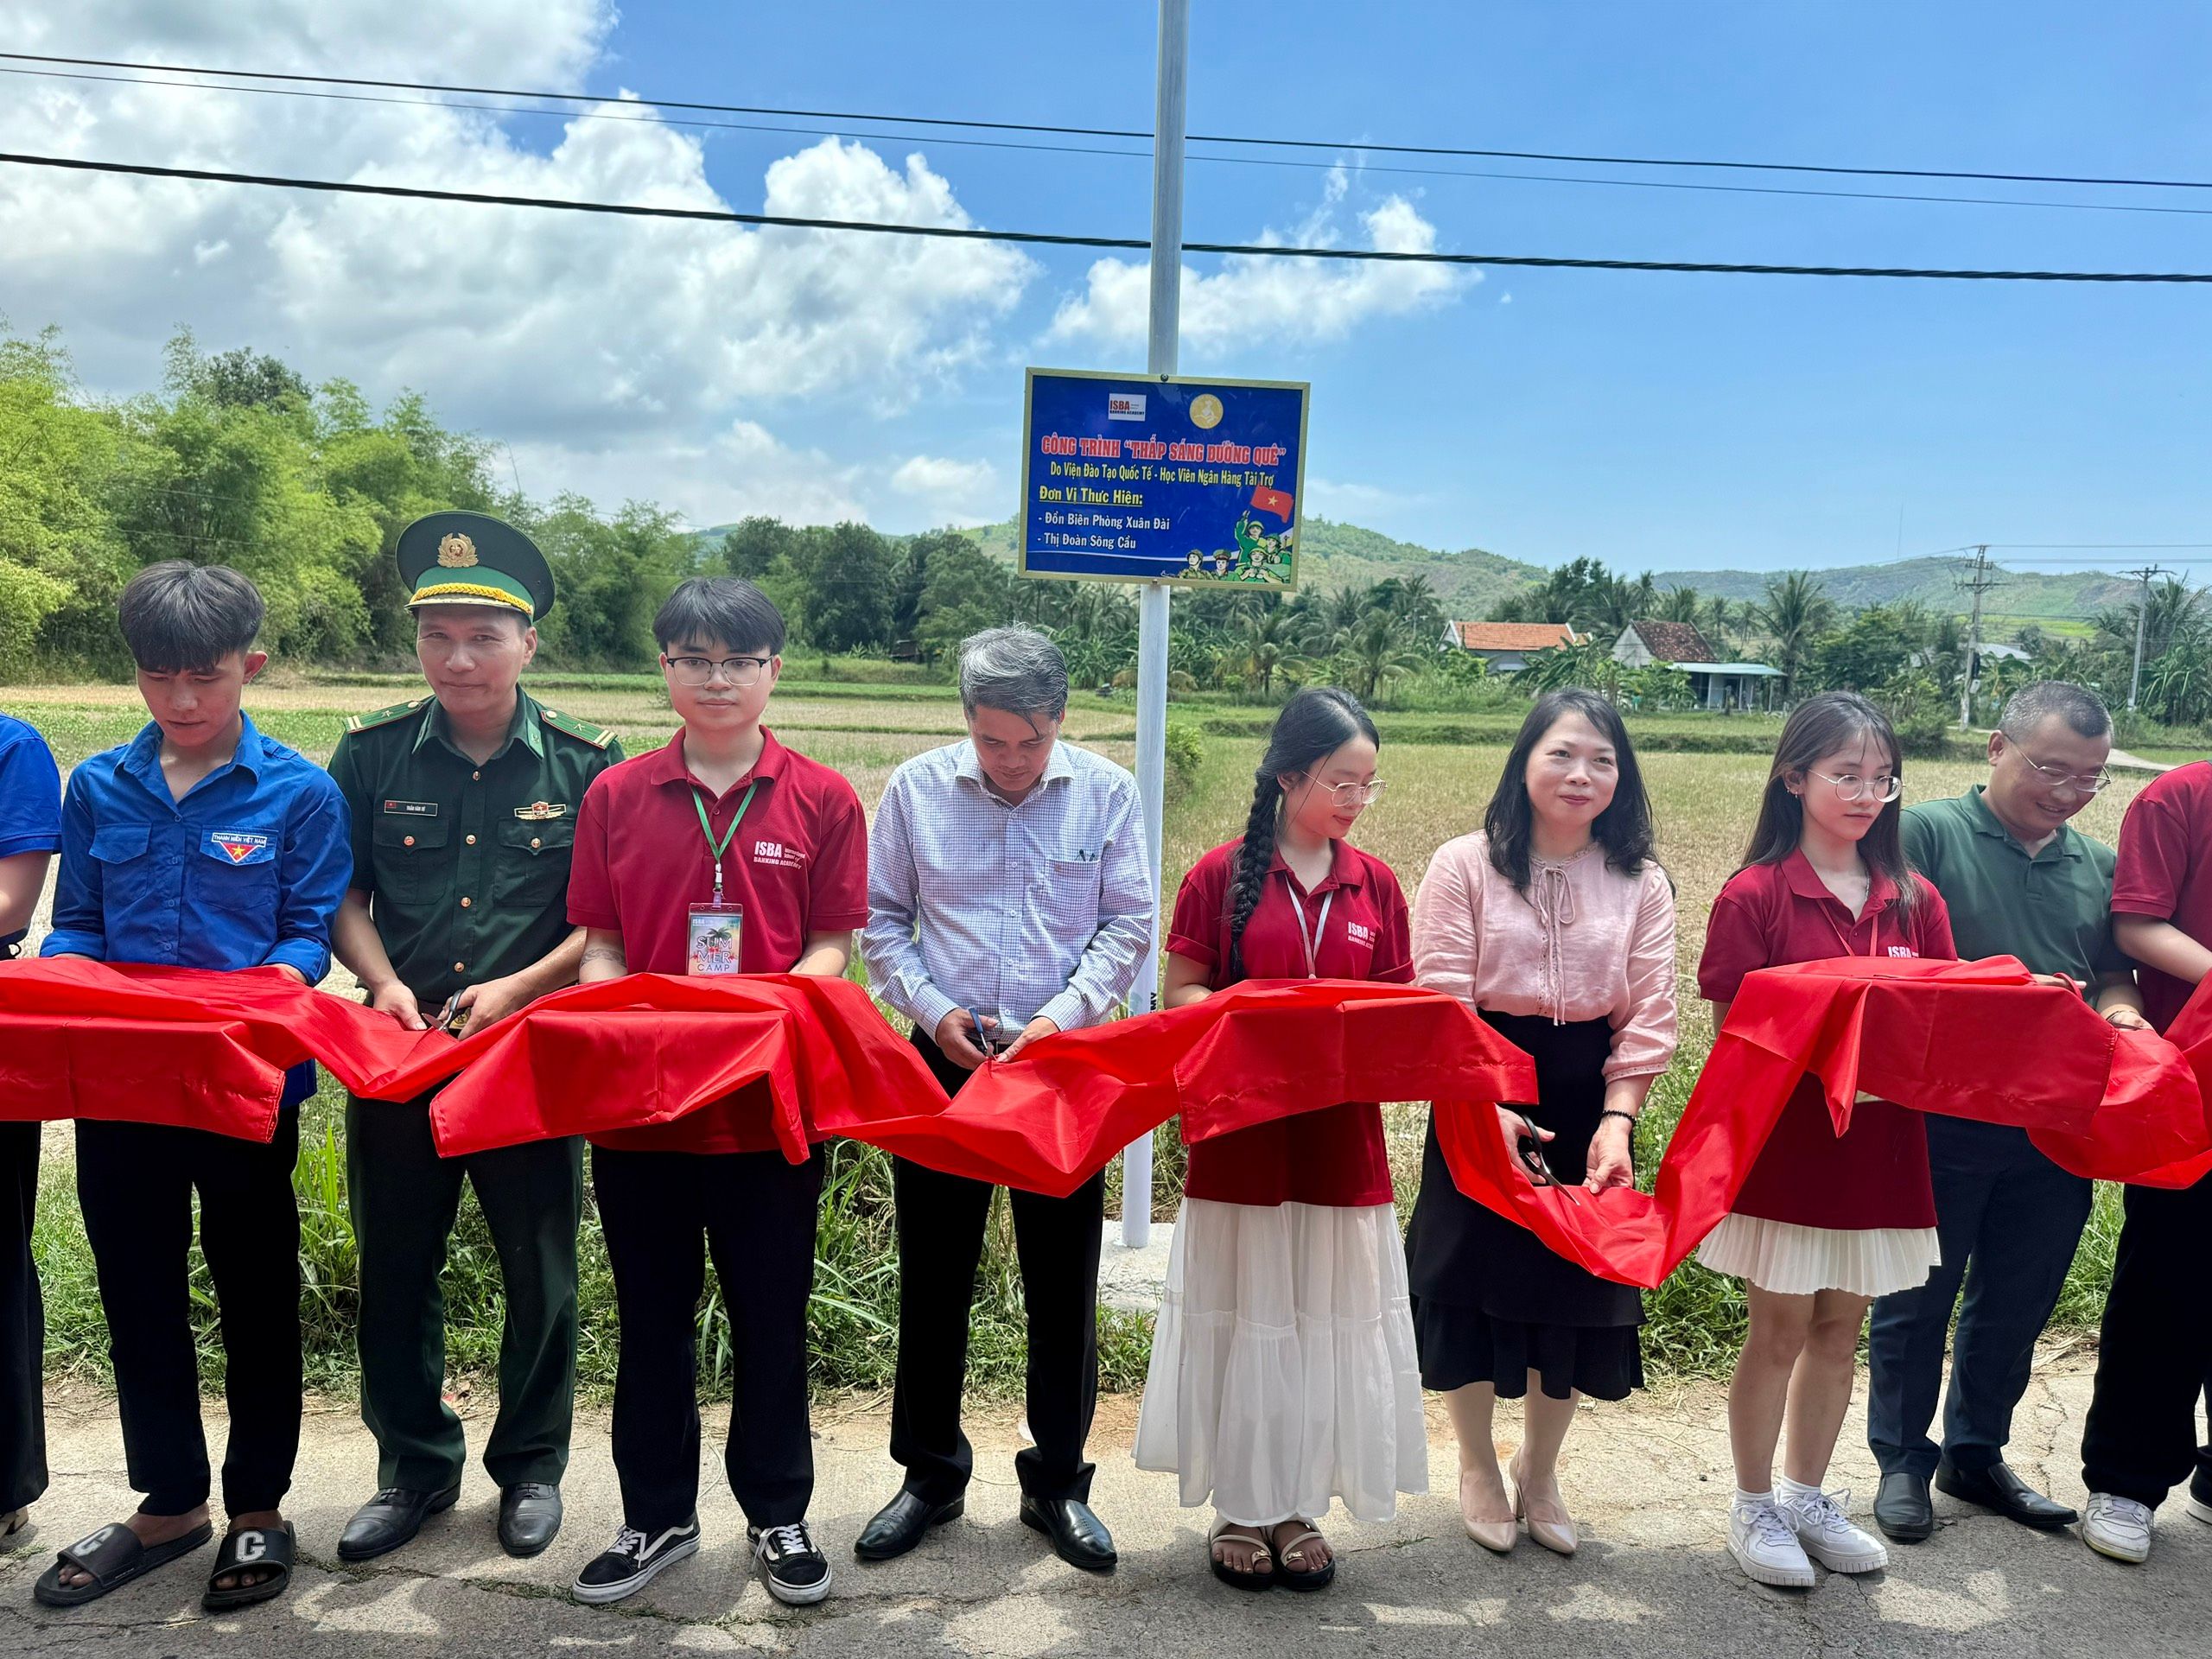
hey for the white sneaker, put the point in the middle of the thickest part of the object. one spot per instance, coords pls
(1826, 1534)
(2118, 1527)
(1765, 1546)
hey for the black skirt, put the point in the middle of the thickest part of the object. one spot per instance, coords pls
(1491, 1303)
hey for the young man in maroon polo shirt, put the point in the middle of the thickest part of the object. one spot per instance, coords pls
(2155, 1350)
(724, 852)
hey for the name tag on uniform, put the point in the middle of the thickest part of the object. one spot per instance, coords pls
(714, 937)
(411, 808)
(238, 846)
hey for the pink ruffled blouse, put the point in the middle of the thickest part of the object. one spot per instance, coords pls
(1585, 942)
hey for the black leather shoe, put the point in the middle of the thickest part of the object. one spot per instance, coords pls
(388, 1520)
(1902, 1510)
(530, 1517)
(1998, 1488)
(900, 1524)
(1079, 1538)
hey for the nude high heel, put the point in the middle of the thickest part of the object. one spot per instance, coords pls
(1496, 1536)
(1555, 1533)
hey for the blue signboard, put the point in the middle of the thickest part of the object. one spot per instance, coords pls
(1145, 478)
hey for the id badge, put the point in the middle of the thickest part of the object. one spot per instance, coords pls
(716, 933)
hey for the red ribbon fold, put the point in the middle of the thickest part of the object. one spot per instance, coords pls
(1972, 1039)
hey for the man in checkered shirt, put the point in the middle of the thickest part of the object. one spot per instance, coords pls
(1008, 898)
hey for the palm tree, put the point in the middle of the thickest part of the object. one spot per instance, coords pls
(1797, 613)
(1719, 621)
(1377, 648)
(1263, 643)
(1590, 663)
(1679, 605)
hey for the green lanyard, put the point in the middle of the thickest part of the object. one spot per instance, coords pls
(718, 847)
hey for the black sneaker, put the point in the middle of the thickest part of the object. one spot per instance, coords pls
(628, 1564)
(796, 1571)
(2199, 1502)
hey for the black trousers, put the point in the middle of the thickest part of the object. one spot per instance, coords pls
(756, 1212)
(941, 1223)
(2009, 1220)
(23, 1324)
(135, 1184)
(403, 1198)
(2155, 1350)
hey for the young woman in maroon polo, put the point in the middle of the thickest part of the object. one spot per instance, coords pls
(1826, 1222)
(1282, 1373)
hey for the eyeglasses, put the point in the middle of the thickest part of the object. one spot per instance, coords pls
(693, 671)
(1851, 787)
(1352, 794)
(2081, 783)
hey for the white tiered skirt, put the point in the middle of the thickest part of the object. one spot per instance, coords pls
(1791, 1260)
(1283, 1370)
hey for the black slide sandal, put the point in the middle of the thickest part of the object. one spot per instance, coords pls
(245, 1551)
(113, 1557)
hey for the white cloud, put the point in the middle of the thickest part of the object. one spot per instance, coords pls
(952, 492)
(630, 357)
(1268, 297)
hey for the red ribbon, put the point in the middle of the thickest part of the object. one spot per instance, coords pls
(1972, 1039)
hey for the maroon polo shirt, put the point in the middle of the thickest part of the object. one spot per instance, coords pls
(798, 863)
(2165, 872)
(1335, 1156)
(1876, 1174)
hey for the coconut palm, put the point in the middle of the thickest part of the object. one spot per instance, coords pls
(1797, 613)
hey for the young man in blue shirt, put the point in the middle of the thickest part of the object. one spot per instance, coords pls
(200, 844)
(30, 834)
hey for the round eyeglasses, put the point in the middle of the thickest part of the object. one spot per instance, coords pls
(695, 671)
(1353, 794)
(1851, 787)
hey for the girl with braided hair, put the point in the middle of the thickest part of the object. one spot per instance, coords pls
(1557, 926)
(1283, 1374)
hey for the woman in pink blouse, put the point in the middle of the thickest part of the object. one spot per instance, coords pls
(1557, 925)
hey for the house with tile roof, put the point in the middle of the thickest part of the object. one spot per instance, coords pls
(1507, 646)
(1713, 684)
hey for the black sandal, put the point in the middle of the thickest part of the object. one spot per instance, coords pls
(1263, 1573)
(251, 1549)
(113, 1557)
(1295, 1578)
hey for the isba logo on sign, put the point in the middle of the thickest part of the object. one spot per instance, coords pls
(1125, 405)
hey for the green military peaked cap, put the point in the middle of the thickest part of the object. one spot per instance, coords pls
(471, 558)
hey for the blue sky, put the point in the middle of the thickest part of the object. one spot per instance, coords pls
(1668, 422)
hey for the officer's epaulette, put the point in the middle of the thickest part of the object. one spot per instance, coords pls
(383, 716)
(598, 736)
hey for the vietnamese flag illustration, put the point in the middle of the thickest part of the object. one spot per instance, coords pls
(1275, 501)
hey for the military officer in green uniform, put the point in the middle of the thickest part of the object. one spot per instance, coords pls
(464, 809)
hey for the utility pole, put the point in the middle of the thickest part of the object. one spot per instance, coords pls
(2142, 616)
(1979, 583)
(1170, 99)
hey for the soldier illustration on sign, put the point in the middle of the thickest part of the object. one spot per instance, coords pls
(464, 806)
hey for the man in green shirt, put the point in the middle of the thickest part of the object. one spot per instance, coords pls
(2018, 881)
(464, 809)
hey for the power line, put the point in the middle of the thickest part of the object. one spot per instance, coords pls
(1125, 132)
(1056, 240)
(1127, 154)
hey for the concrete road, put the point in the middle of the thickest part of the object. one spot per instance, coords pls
(1648, 1481)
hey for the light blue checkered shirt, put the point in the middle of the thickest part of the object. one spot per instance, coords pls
(1040, 908)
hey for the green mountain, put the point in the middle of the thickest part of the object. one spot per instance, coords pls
(1469, 581)
(2048, 599)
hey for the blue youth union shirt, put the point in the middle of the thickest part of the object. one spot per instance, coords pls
(246, 870)
(30, 799)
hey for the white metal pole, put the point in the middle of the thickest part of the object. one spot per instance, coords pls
(1152, 606)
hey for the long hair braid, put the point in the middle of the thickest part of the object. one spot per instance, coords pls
(1253, 858)
(1311, 727)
